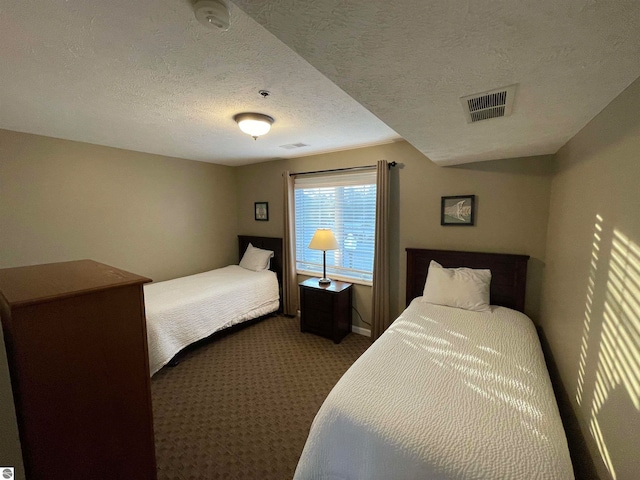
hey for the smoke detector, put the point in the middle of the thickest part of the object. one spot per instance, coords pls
(212, 14)
(487, 105)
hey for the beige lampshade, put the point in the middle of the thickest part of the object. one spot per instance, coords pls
(323, 239)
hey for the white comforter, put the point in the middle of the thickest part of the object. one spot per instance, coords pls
(185, 310)
(445, 393)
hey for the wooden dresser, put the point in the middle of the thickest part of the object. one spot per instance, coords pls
(76, 342)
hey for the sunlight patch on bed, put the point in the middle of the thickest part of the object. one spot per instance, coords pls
(470, 364)
(516, 398)
(423, 336)
(450, 354)
(485, 375)
(535, 431)
(456, 334)
(428, 319)
(480, 390)
(410, 344)
(489, 350)
(517, 403)
(526, 370)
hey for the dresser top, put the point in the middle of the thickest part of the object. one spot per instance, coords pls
(21, 286)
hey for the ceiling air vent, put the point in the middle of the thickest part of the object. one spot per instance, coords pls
(291, 146)
(487, 105)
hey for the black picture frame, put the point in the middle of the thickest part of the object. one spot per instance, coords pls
(458, 210)
(261, 210)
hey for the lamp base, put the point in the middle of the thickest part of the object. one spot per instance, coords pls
(324, 281)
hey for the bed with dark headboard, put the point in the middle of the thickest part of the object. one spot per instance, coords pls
(186, 310)
(508, 272)
(446, 392)
(266, 243)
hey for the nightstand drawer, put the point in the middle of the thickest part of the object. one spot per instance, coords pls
(317, 320)
(316, 300)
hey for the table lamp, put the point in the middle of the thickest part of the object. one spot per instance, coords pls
(324, 240)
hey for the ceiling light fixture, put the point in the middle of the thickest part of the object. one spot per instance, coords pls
(212, 14)
(254, 124)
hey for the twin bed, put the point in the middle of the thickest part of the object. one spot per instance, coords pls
(182, 311)
(445, 392)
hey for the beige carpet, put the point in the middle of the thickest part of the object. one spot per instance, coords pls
(240, 406)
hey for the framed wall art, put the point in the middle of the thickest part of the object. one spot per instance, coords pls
(262, 211)
(459, 210)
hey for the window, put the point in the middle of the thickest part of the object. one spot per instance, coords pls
(345, 203)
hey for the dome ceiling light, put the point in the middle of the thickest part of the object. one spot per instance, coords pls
(254, 124)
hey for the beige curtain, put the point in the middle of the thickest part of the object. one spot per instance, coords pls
(289, 276)
(380, 291)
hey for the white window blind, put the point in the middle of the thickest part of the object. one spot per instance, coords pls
(345, 203)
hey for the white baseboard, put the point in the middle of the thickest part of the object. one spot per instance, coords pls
(361, 331)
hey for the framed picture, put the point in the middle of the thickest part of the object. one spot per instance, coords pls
(262, 211)
(458, 210)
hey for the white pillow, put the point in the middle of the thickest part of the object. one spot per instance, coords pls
(256, 259)
(458, 287)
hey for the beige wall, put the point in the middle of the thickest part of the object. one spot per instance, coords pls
(156, 216)
(591, 298)
(512, 200)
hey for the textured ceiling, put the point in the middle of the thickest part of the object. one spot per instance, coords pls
(409, 61)
(145, 75)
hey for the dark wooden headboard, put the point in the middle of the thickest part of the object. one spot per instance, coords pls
(266, 243)
(508, 272)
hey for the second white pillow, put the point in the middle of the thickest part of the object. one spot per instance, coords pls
(466, 288)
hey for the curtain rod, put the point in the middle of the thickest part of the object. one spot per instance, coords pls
(391, 164)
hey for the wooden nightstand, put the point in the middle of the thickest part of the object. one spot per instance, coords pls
(325, 309)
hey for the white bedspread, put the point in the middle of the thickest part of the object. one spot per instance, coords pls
(185, 310)
(445, 393)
